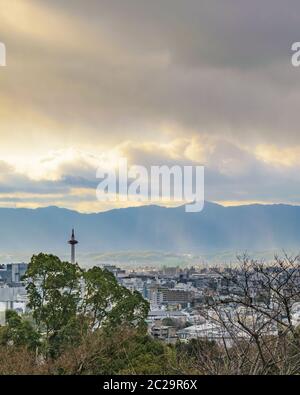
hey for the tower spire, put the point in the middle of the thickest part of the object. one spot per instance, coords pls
(73, 242)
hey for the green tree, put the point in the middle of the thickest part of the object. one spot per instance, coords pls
(19, 332)
(108, 304)
(68, 303)
(53, 289)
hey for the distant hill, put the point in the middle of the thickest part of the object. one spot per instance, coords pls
(216, 228)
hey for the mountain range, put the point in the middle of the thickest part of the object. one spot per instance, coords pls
(216, 228)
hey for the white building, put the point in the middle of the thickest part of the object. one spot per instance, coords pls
(12, 298)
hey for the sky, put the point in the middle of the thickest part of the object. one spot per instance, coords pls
(158, 82)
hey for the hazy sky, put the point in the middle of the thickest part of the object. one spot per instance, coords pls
(160, 81)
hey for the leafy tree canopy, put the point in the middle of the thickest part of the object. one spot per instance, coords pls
(68, 303)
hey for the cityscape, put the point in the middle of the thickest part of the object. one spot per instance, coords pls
(149, 192)
(177, 298)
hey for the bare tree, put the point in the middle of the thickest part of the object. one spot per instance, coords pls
(253, 313)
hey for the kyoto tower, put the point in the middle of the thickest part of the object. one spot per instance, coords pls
(73, 242)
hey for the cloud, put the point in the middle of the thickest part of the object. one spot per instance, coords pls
(68, 177)
(160, 82)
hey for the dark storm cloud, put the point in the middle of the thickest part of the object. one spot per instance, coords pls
(220, 67)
